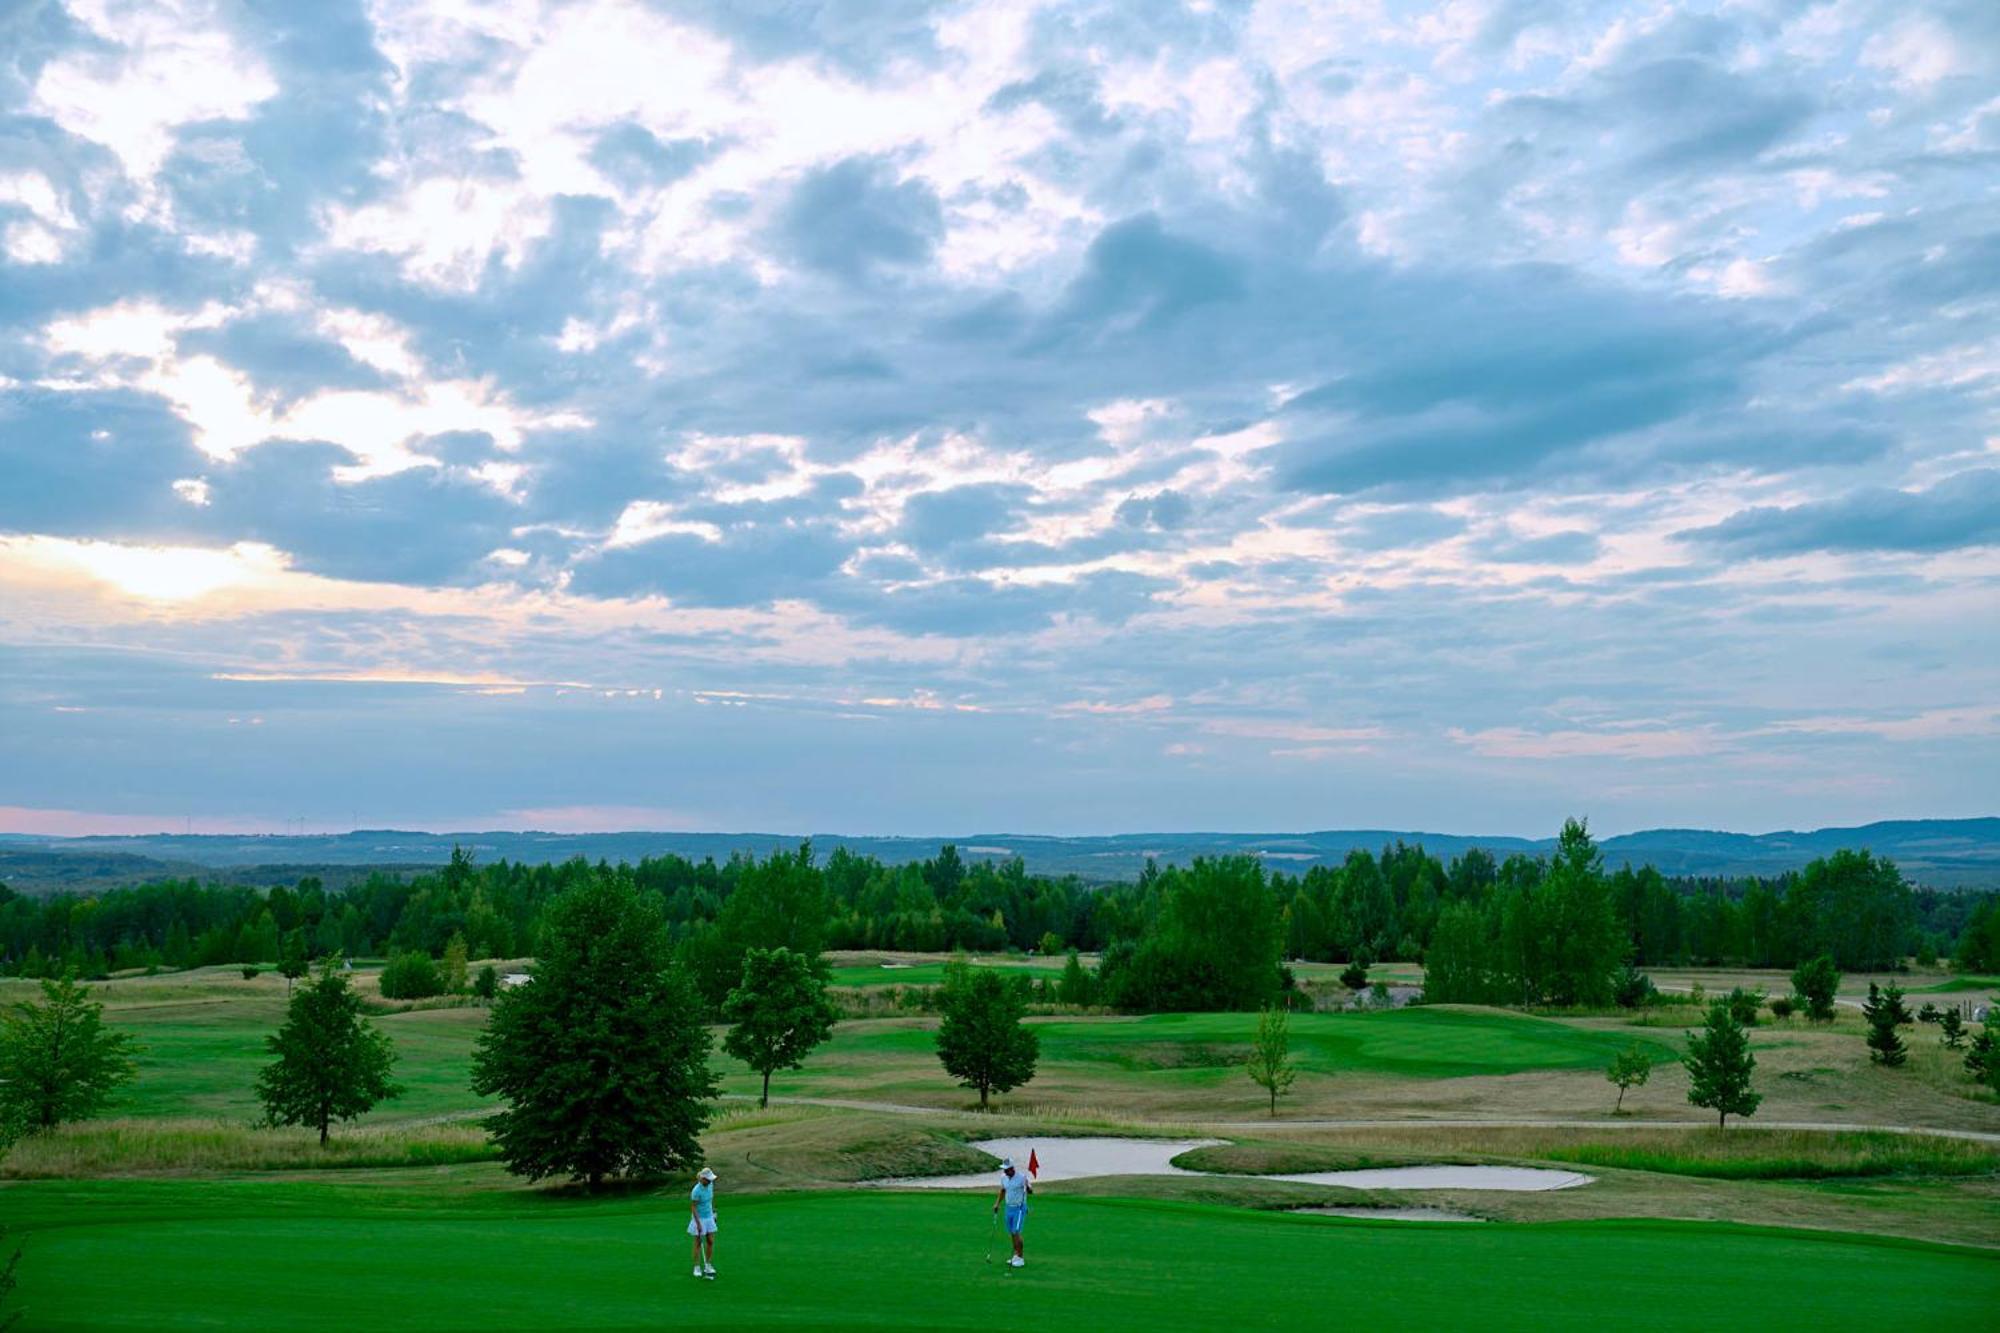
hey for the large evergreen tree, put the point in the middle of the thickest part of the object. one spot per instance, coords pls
(57, 1061)
(332, 1063)
(1719, 1064)
(981, 1041)
(780, 1011)
(601, 1057)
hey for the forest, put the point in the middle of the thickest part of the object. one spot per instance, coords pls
(1485, 925)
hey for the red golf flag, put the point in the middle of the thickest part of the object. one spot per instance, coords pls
(1034, 1167)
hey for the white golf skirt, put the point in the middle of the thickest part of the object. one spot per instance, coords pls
(701, 1226)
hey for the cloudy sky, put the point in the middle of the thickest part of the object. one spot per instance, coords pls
(878, 415)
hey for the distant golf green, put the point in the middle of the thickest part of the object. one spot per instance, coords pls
(1192, 1050)
(164, 1255)
(932, 974)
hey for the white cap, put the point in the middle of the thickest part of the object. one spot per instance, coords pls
(707, 1174)
(1006, 1164)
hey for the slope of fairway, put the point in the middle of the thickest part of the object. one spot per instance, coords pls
(182, 1256)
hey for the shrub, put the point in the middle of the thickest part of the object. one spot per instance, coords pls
(1815, 982)
(487, 984)
(1744, 1004)
(411, 976)
(1634, 989)
(1782, 1007)
(1355, 975)
(249, 974)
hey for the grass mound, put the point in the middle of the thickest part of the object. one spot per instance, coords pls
(1743, 1153)
(146, 1147)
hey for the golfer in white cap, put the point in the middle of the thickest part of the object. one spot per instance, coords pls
(701, 1223)
(1015, 1187)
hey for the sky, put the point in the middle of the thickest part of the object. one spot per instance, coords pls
(897, 417)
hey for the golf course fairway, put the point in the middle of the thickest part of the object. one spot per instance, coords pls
(240, 1254)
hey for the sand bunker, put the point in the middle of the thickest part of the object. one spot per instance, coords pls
(1074, 1159)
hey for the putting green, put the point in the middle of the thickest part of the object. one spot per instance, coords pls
(185, 1255)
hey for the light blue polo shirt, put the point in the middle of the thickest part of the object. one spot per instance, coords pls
(1015, 1187)
(702, 1196)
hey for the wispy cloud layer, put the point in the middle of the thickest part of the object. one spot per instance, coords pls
(1068, 415)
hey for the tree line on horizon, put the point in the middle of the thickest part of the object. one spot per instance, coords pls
(1490, 915)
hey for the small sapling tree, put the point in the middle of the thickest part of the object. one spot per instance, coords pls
(453, 972)
(332, 1064)
(1719, 1064)
(487, 984)
(57, 1062)
(1951, 1028)
(980, 1040)
(1815, 982)
(1075, 987)
(1270, 1066)
(1630, 1068)
(293, 956)
(1782, 1007)
(780, 1011)
(1882, 1010)
(1355, 975)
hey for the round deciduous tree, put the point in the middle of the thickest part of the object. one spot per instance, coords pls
(57, 1061)
(601, 1056)
(780, 1012)
(332, 1064)
(981, 1041)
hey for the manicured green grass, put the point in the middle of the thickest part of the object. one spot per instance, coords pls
(1203, 1049)
(177, 1255)
(1960, 983)
(201, 1058)
(932, 974)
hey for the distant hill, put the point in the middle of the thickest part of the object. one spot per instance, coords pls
(1942, 853)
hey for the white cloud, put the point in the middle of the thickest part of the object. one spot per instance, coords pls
(171, 64)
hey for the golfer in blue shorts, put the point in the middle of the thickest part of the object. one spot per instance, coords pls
(1014, 1191)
